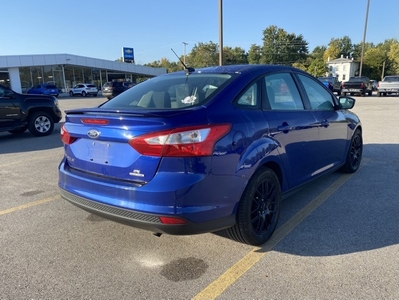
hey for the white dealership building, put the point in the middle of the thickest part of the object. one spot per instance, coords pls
(20, 72)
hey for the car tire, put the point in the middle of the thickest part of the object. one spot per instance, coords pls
(258, 210)
(84, 94)
(354, 155)
(71, 93)
(41, 124)
(18, 130)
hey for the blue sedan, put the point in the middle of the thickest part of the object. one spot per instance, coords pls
(205, 150)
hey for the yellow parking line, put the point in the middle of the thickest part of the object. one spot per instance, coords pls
(10, 210)
(217, 287)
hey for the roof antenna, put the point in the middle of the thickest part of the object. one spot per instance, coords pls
(187, 69)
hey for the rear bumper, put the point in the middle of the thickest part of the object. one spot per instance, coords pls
(206, 202)
(145, 221)
(390, 90)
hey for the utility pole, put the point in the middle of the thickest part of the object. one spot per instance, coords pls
(364, 38)
(220, 33)
(184, 57)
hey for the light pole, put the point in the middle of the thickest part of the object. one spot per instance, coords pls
(364, 38)
(184, 57)
(220, 33)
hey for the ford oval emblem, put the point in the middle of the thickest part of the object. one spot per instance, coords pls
(92, 133)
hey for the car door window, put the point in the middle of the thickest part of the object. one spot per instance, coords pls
(319, 98)
(282, 93)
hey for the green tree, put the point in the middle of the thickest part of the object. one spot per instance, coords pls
(234, 56)
(254, 54)
(204, 55)
(165, 63)
(337, 47)
(280, 47)
(392, 57)
(317, 67)
(318, 52)
(332, 52)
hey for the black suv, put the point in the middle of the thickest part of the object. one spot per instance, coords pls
(114, 88)
(19, 112)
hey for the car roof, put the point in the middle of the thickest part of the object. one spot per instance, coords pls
(229, 69)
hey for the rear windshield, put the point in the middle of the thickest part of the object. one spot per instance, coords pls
(170, 92)
(91, 85)
(51, 86)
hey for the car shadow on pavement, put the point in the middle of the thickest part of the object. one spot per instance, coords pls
(360, 215)
(25, 142)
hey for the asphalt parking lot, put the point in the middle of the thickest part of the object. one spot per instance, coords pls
(337, 238)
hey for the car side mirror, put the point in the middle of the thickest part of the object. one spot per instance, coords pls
(346, 102)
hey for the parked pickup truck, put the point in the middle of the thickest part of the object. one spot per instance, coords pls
(19, 112)
(388, 85)
(357, 85)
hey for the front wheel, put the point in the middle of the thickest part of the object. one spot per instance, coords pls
(354, 155)
(71, 93)
(83, 94)
(259, 209)
(41, 124)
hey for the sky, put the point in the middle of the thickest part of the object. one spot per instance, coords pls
(100, 29)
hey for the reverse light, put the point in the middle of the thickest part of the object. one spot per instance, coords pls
(66, 138)
(181, 142)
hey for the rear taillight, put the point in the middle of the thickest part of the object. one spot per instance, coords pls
(66, 138)
(362, 85)
(181, 142)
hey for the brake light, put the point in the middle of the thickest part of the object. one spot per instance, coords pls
(95, 121)
(183, 142)
(66, 138)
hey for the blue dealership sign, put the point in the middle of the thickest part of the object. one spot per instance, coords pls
(128, 54)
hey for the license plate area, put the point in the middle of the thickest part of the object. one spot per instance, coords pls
(100, 153)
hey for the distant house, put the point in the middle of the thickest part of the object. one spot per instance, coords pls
(343, 68)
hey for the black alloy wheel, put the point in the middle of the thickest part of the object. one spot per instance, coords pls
(354, 156)
(259, 209)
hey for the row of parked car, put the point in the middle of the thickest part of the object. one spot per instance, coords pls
(355, 85)
(109, 89)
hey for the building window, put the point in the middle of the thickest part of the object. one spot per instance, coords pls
(343, 77)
